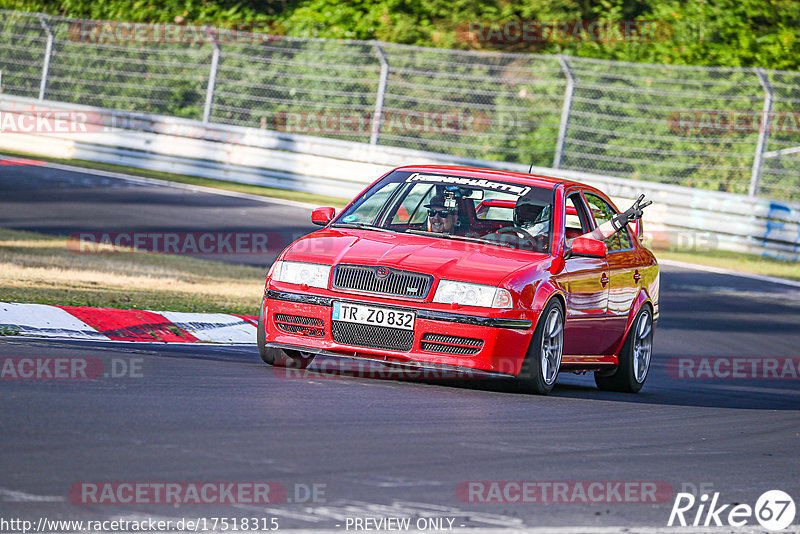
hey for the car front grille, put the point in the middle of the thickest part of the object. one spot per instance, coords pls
(394, 282)
(371, 336)
(451, 344)
(295, 324)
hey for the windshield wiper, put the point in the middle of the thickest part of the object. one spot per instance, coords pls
(361, 226)
(459, 237)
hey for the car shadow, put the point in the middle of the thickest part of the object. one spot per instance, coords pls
(660, 389)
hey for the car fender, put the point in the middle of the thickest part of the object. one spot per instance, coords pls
(544, 292)
(642, 298)
(534, 297)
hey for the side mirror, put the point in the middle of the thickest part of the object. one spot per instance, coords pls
(322, 216)
(586, 246)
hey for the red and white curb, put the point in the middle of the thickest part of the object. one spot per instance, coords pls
(109, 324)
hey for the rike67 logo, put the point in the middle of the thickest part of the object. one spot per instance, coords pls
(774, 510)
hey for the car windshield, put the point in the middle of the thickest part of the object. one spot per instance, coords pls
(449, 206)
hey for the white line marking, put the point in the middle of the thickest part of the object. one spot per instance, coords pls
(752, 389)
(719, 270)
(20, 496)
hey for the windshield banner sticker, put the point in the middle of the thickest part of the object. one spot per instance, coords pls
(519, 190)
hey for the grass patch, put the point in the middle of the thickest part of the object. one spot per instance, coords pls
(8, 331)
(272, 192)
(40, 269)
(737, 261)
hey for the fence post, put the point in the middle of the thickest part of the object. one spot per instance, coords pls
(47, 53)
(763, 130)
(565, 111)
(377, 117)
(212, 79)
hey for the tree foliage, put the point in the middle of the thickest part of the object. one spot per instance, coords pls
(733, 33)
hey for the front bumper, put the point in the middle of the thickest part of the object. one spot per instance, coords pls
(503, 340)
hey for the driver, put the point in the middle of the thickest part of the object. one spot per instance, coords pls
(532, 217)
(531, 225)
(441, 219)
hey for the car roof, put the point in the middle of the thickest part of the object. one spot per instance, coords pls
(537, 180)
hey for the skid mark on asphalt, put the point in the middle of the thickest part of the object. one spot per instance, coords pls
(786, 296)
(379, 481)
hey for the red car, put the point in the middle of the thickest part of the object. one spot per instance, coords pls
(415, 271)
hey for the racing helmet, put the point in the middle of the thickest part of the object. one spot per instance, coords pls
(529, 210)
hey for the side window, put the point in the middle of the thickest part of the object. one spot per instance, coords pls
(603, 212)
(575, 224)
(625, 238)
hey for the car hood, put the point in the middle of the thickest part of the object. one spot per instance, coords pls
(445, 258)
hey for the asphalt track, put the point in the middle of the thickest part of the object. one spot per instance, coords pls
(58, 202)
(380, 446)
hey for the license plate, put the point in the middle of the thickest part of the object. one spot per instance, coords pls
(357, 313)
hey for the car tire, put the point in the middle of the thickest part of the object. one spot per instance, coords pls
(267, 354)
(634, 358)
(543, 359)
(277, 357)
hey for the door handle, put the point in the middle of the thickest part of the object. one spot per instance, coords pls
(637, 276)
(604, 280)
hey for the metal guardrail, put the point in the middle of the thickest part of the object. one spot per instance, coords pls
(682, 216)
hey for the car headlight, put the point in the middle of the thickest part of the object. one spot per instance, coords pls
(450, 291)
(295, 272)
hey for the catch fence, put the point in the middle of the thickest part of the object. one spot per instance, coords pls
(723, 129)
